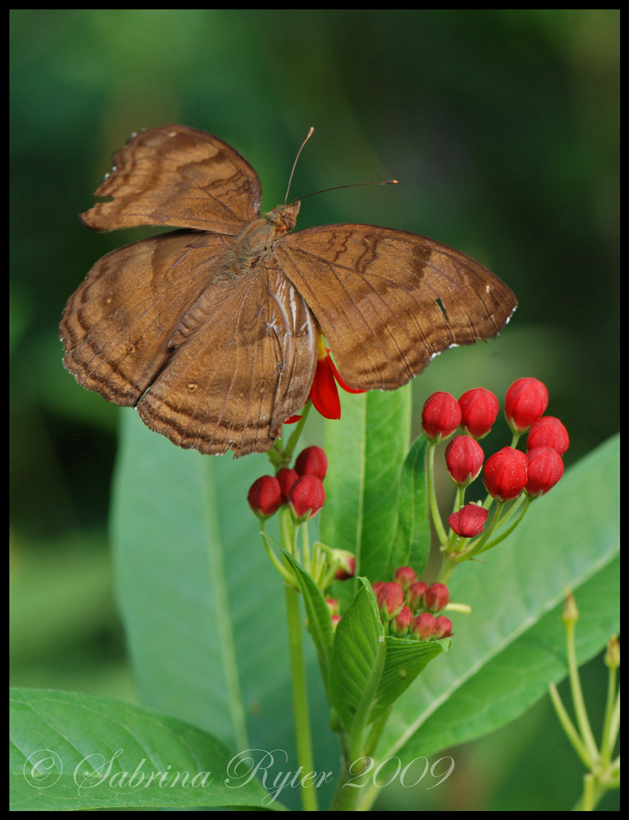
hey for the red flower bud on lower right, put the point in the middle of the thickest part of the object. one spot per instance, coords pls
(548, 432)
(506, 473)
(545, 468)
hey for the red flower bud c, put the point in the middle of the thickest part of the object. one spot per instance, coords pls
(265, 496)
(424, 626)
(506, 473)
(443, 627)
(306, 496)
(548, 432)
(479, 409)
(441, 415)
(312, 461)
(545, 468)
(287, 478)
(405, 576)
(416, 594)
(525, 402)
(390, 600)
(464, 459)
(401, 624)
(469, 521)
(437, 597)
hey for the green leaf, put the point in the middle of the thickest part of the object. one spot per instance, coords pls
(69, 752)
(358, 654)
(508, 650)
(412, 538)
(365, 452)
(177, 538)
(405, 659)
(318, 613)
(202, 605)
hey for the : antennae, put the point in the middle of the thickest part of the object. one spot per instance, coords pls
(290, 179)
(340, 187)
